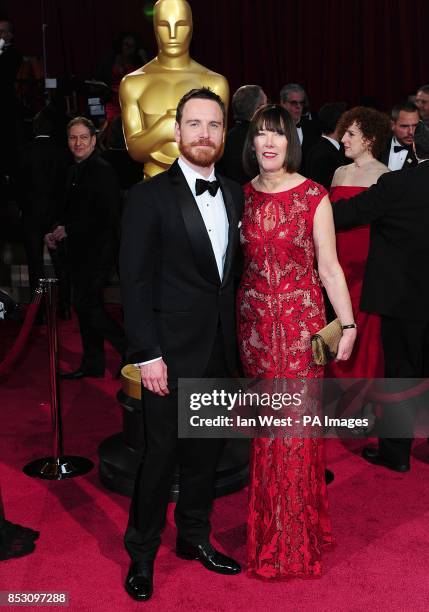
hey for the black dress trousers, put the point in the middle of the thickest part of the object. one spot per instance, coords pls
(197, 460)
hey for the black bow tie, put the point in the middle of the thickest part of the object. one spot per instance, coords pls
(201, 186)
(298, 125)
(398, 148)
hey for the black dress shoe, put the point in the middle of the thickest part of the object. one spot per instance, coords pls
(208, 556)
(139, 581)
(78, 374)
(8, 529)
(372, 455)
(329, 476)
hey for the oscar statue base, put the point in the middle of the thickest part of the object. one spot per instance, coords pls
(120, 454)
(61, 468)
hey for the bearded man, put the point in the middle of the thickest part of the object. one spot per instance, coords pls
(179, 238)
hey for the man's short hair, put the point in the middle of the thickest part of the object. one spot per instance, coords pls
(421, 141)
(202, 93)
(275, 118)
(405, 107)
(44, 122)
(245, 101)
(82, 121)
(329, 115)
(289, 88)
(424, 89)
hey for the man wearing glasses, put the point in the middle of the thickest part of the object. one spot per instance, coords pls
(293, 98)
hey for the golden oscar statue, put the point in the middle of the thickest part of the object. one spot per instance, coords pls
(149, 95)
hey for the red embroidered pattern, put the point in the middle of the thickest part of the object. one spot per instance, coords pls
(279, 307)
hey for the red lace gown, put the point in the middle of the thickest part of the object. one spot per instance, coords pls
(367, 359)
(279, 307)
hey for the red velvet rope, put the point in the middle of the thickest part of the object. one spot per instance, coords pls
(15, 352)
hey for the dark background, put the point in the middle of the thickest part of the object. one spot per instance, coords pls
(338, 49)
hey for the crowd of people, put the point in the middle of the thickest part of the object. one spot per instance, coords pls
(184, 317)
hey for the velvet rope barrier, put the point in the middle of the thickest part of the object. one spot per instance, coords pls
(22, 338)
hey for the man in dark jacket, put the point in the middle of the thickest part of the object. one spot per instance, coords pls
(245, 101)
(327, 154)
(40, 178)
(179, 239)
(89, 222)
(395, 286)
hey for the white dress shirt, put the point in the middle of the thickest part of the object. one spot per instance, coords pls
(396, 160)
(332, 141)
(212, 209)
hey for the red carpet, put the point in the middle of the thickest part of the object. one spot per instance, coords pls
(380, 518)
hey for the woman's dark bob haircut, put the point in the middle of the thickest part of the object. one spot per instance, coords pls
(274, 118)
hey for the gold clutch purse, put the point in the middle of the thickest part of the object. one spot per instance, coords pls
(324, 344)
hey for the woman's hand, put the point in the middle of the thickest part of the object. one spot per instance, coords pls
(345, 346)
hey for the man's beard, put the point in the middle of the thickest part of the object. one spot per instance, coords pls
(205, 156)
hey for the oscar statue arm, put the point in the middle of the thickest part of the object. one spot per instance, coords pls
(141, 140)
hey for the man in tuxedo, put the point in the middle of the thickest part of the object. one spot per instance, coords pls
(245, 101)
(293, 99)
(179, 237)
(395, 286)
(88, 225)
(327, 154)
(40, 178)
(399, 152)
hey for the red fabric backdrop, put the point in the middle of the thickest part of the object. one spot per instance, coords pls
(339, 49)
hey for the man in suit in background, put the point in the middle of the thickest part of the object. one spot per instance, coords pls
(246, 100)
(89, 223)
(399, 152)
(395, 286)
(327, 154)
(41, 175)
(179, 237)
(293, 99)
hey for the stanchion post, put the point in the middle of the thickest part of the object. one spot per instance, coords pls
(51, 293)
(57, 467)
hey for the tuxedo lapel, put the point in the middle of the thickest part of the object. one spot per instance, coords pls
(384, 157)
(232, 227)
(410, 161)
(197, 233)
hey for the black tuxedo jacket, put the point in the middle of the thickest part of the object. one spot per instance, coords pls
(172, 295)
(410, 160)
(311, 132)
(231, 164)
(91, 216)
(397, 207)
(322, 160)
(41, 178)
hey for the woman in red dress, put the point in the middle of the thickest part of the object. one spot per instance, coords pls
(287, 224)
(364, 134)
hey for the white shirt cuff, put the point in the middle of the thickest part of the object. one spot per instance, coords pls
(147, 362)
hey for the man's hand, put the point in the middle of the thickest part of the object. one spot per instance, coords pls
(59, 233)
(50, 241)
(154, 377)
